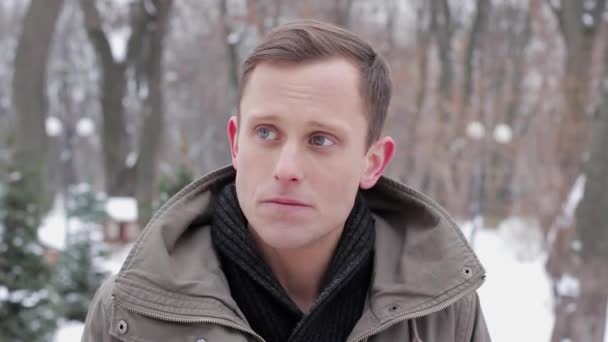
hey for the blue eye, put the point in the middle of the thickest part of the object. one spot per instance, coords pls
(321, 140)
(266, 133)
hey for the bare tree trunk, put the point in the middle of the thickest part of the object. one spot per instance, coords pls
(342, 11)
(115, 141)
(276, 15)
(115, 138)
(263, 15)
(392, 13)
(423, 42)
(153, 109)
(519, 62)
(579, 39)
(468, 189)
(256, 15)
(29, 86)
(502, 159)
(120, 177)
(422, 53)
(232, 40)
(441, 24)
(592, 231)
(68, 165)
(482, 10)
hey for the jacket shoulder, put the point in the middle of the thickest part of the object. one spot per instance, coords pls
(96, 326)
(461, 322)
(470, 322)
(103, 296)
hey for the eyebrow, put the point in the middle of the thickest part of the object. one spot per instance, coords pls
(339, 129)
(263, 117)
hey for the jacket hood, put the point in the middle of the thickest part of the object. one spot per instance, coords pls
(422, 262)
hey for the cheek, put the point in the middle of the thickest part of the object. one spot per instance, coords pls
(340, 182)
(344, 169)
(254, 159)
(250, 169)
(338, 201)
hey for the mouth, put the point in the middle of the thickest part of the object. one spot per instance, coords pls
(286, 201)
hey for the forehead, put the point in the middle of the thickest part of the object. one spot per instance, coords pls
(333, 83)
(320, 70)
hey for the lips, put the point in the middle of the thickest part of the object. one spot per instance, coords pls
(287, 201)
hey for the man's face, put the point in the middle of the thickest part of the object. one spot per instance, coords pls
(299, 150)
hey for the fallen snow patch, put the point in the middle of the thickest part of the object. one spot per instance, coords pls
(4, 295)
(118, 42)
(52, 231)
(523, 237)
(517, 296)
(70, 331)
(122, 208)
(575, 196)
(568, 285)
(118, 255)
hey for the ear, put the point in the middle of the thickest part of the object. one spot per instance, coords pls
(378, 157)
(232, 130)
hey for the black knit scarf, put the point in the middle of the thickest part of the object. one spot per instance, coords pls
(262, 299)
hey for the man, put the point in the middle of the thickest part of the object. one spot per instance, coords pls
(301, 239)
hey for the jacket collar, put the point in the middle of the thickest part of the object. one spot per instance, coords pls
(422, 261)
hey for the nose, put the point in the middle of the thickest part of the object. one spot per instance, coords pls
(287, 168)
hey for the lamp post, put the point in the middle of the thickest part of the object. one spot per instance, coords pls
(57, 128)
(476, 131)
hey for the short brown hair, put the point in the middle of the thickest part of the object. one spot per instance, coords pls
(309, 40)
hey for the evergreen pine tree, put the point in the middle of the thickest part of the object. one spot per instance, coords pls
(28, 309)
(78, 272)
(169, 185)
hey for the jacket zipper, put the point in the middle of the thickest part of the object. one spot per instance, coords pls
(376, 331)
(420, 314)
(186, 320)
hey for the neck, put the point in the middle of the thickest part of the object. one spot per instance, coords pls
(300, 271)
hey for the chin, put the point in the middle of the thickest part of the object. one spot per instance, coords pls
(286, 238)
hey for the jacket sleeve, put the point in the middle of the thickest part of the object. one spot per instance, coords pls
(96, 327)
(479, 329)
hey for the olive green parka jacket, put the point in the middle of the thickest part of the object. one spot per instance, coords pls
(172, 288)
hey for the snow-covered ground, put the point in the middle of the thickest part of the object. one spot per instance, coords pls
(118, 254)
(53, 229)
(69, 331)
(516, 298)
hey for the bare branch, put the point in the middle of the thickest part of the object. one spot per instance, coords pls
(479, 23)
(140, 18)
(231, 47)
(92, 23)
(278, 7)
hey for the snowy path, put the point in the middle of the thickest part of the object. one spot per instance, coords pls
(516, 298)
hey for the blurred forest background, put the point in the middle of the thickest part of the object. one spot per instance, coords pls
(500, 110)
